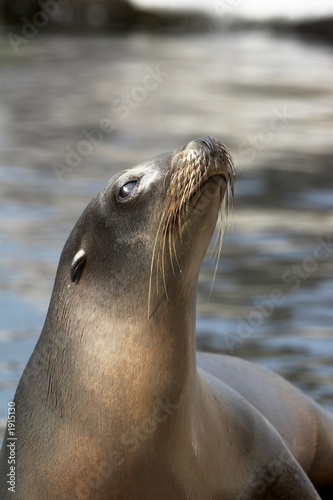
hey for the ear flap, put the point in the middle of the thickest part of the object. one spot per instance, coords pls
(77, 265)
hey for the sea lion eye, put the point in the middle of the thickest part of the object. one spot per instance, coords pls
(77, 265)
(126, 190)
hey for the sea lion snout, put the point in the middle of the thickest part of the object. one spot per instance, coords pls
(206, 156)
(201, 160)
(198, 185)
(208, 142)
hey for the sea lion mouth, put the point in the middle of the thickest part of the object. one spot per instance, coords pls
(202, 164)
(216, 183)
(211, 188)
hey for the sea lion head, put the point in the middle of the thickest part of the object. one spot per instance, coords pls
(142, 239)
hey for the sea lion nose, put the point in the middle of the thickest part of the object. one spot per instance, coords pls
(208, 142)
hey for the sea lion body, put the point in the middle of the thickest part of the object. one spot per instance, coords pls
(111, 404)
(304, 426)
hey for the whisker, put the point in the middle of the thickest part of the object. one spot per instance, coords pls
(163, 267)
(189, 169)
(152, 262)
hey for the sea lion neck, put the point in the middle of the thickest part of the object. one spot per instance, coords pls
(129, 270)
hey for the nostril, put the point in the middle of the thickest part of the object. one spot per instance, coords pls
(208, 142)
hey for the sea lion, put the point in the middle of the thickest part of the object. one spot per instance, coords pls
(111, 404)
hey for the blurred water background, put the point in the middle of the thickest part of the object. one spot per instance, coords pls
(75, 108)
